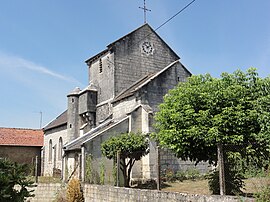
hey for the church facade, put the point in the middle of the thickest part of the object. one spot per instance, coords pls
(127, 82)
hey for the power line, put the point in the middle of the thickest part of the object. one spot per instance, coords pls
(175, 15)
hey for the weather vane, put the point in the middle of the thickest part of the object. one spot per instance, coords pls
(145, 10)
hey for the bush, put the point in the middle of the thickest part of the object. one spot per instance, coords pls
(233, 182)
(74, 191)
(14, 175)
(168, 175)
(263, 195)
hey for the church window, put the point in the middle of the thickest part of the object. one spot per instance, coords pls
(70, 125)
(60, 149)
(50, 150)
(100, 65)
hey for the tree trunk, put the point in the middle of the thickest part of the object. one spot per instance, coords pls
(124, 171)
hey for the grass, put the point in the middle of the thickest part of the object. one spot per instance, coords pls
(45, 179)
(252, 185)
(188, 186)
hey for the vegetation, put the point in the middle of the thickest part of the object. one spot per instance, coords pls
(169, 175)
(132, 147)
(74, 191)
(14, 184)
(206, 111)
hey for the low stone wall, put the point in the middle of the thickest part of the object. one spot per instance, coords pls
(96, 193)
(45, 192)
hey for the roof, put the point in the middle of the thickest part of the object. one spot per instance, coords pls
(140, 83)
(76, 144)
(59, 121)
(21, 137)
(111, 44)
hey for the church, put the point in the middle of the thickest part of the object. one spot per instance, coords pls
(127, 82)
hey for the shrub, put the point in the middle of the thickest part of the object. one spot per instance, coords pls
(233, 182)
(74, 191)
(263, 195)
(14, 175)
(168, 175)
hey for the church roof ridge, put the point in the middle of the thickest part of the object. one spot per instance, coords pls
(146, 24)
(111, 44)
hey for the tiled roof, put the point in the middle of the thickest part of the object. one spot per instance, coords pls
(59, 121)
(21, 137)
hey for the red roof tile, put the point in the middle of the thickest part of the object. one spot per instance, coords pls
(21, 137)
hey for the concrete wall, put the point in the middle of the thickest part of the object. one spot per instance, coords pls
(56, 161)
(47, 193)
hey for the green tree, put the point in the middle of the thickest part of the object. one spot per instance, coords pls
(14, 183)
(132, 147)
(204, 111)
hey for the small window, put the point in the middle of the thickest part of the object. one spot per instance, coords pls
(70, 125)
(50, 150)
(100, 65)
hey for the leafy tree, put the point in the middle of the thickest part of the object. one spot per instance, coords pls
(206, 111)
(14, 182)
(132, 147)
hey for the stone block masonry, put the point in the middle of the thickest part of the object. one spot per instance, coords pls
(96, 193)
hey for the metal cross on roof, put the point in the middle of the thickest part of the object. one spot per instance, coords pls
(144, 9)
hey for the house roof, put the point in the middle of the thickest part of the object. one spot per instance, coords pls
(21, 137)
(140, 83)
(112, 44)
(58, 121)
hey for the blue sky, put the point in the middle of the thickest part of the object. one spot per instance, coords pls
(43, 45)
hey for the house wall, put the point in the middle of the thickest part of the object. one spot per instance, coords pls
(22, 154)
(56, 162)
(131, 63)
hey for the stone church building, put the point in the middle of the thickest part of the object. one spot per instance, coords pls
(127, 82)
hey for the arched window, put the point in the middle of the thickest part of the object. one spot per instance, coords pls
(60, 149)
(50, 150)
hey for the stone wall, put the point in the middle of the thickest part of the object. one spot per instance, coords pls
(96, 193)
(45, 192)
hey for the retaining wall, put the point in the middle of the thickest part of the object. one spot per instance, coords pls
(96, 193)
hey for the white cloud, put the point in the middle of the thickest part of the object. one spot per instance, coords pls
(11, 62)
